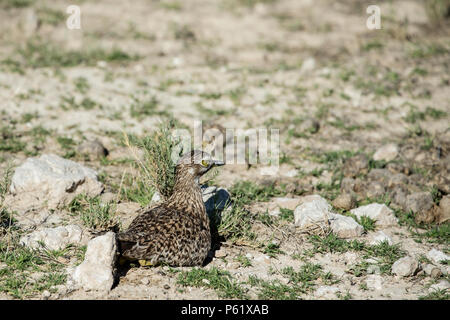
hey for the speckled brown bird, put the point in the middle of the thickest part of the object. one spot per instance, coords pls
(176, 232)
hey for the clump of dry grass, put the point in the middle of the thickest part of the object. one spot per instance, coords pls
(437, 10)
(157, 167)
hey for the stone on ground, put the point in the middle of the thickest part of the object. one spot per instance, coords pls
(379, 237)
(382, 214)
(52, 181)
(444, 206)
(441, 285)
(53, 238)
(94, 149)
(345, 201)
(387, 152)
(374, 282)
(313, 210)
(419, 202)
(345, 227)
(432, 270)
(96, 272)
(316, 211)
(437, 256)
(405, 267)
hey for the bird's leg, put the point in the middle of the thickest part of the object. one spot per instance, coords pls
(145, 263)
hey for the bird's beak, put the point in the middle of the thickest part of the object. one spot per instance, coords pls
(217, 163)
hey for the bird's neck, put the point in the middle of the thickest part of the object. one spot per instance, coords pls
(187, 195)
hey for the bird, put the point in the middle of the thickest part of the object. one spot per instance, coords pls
(175, 232)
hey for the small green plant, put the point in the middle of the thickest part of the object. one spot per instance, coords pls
(82, 84)
(67, 144)
(134, 189)
(274, 289)
(248, 192)
(94, 214)
(438, 294)
(18, 265)
(244, 261)
(219, 280)
(37, 53)
(141, 109)
(287, 214)
(16, 3)
(366, 222)
(235, 225)
(9, 140)
(272, 250)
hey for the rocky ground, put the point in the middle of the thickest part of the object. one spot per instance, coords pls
(359, 209)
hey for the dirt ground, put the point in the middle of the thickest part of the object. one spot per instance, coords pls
(311, 69)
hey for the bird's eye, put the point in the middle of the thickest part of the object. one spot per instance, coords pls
(204, 163)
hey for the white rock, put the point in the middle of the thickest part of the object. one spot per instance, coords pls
(46, 294)
(308, 65)
(327, 292)
(287, 203)
(53, 181)
(383, 215)
(262, 258)
(432, 270)
(53, 238)
(441, 285)
(345, 227)
(96, 272)
(313, 210)
(371, 261)
(379, 237)
(387, 152)
(405, 266)
(437, 256)
(374, 282)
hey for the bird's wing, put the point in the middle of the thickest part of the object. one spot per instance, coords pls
(151, 227)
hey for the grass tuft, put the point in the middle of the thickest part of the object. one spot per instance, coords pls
(157, 167)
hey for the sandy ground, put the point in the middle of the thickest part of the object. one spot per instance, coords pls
(268, 64)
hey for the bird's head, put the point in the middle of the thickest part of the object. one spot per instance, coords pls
(196, 163)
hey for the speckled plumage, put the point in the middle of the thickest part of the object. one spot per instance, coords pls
(176, 232)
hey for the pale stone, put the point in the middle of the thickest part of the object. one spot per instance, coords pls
(379, 237)
(387, 152)
(345, 227)
(314, 209)
(432, 270)
(374, 282)
(437, 256)
(419, 202)
(405, 266)
(382, 214)
(52, 181)
(96, 272)
(441, 285)
(53, 238)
